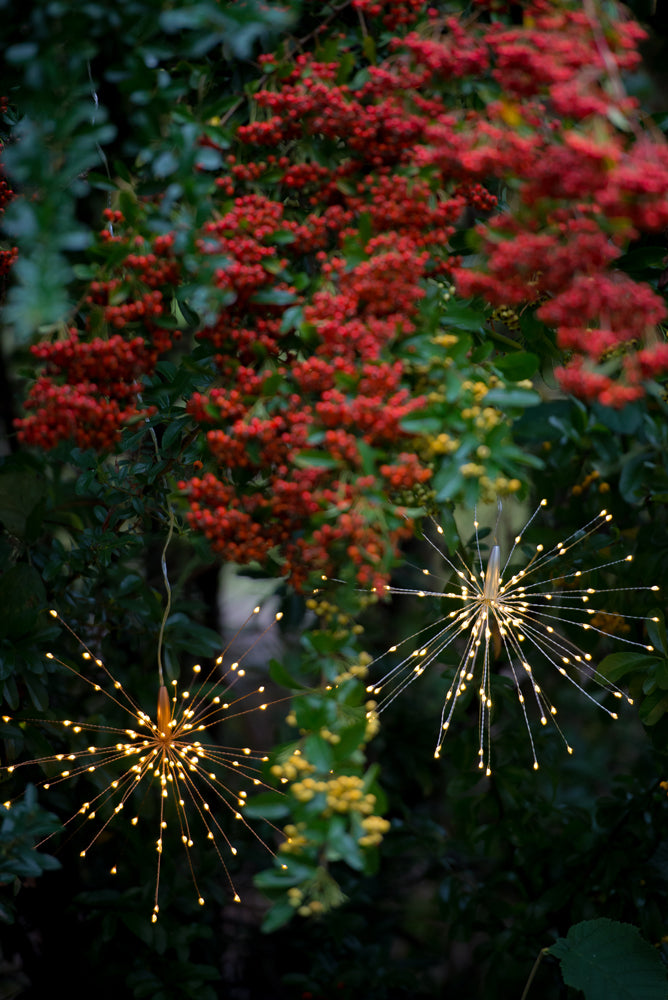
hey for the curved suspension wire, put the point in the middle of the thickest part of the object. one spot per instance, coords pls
(168, 593)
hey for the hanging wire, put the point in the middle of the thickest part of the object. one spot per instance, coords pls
(168, 592)
(163, 558)
(103, 155)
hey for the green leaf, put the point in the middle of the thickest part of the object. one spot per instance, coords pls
(273, 297)
(279, 673)
(511, 397)
(632, 479)
(653, 708)
(267, 805)
(657, 631)
(447, 482)
(644, 257)
(278, 915)
(422, 425)
(516, 367)
(617, 665)
(624, 421)
(610, 961)
(463, 316)
(318, 752)
(314, 459)
(282, 878)
(165, 164)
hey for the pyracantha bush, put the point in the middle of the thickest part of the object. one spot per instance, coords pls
(353, 195)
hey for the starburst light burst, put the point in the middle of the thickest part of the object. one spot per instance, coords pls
(522, 615)
(169, 752)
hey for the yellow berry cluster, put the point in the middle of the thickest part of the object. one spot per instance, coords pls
(588, 480)
(485, 418)
(502, 486)
(508, 316)
(293, 767)
(443, 444)
(372, 721)
(610, 623)
(305, 790)
(317, 896)
(337, 622)
(345, 793)
(445, 339)
(305, 908)
(490, 488)
(438, 362)
(480, 389)
(329, 736)
(295, 840)
(358, 670)
(376, 827)
(471, 470)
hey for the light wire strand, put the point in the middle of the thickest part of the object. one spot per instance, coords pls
(168, 592)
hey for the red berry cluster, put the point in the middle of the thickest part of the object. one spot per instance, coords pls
(290, 433)
(7, 256)
(90, 385)
(338, 205)
(312, 393)
(392, 12)
(585, 181)
(560, 132)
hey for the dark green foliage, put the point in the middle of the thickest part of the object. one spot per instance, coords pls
(474, 878)
(610, 961)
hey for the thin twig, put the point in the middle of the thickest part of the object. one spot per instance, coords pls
(541, 955)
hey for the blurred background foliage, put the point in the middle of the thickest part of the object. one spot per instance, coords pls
(472, 879)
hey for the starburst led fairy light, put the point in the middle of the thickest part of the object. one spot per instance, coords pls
(170, 751)
(521, 615)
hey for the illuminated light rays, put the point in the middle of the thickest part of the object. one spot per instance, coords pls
(519, 620)
(170, 752)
